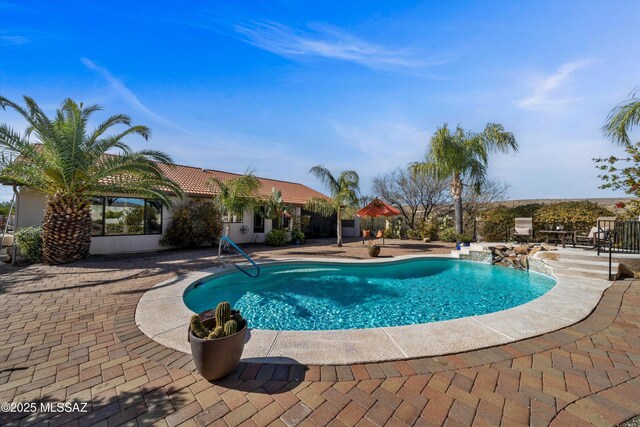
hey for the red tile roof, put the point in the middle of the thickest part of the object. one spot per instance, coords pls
(194, 183)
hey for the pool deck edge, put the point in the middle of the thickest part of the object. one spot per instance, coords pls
(162, 316)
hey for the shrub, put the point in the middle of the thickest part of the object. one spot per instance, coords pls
(497, 222)
(464, 237)
(295, 234)
(414, 235)
(580, 215)
(29, 241)
(448, 235)
(193, 224)
(276, 237)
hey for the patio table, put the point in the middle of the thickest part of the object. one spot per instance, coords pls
(558, 235)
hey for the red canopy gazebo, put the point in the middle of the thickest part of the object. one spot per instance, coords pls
(377, 208)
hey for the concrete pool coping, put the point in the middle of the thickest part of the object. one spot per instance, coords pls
(162, 315)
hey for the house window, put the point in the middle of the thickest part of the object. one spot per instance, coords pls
(97, 216)
(153, 217)
(258, 220)
(125, 216)
(234, 218)
(285, 220)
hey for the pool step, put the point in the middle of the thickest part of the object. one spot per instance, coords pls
(586, 273)
(466, 250)
(563, 263)
(583, 266)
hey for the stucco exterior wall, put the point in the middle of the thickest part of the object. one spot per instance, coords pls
(31, 213)
(352, 231)
(30, 208)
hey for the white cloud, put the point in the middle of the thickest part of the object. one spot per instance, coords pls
(546, 89)
(125, 93)
(13, 40)
(325, 42)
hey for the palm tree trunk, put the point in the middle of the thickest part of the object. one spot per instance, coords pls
(66, 231)
(457, 206)
(456, 193)
(339, 228)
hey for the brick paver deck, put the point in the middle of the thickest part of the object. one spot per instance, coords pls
(68, 334)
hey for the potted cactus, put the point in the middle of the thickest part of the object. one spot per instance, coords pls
(217, 341)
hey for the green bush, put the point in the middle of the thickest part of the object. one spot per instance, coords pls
(414, 235)
(4, 208)
(580, 215)
(497, 222)
(430, 229)
(193, 224)
(295, 234)
(29, 241)
(464, 237)
(448, 235)
(276, 237)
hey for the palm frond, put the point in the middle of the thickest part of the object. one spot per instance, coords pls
(118, 119)
(499, 140)
(320, 206)
(325, 176)
(238, 194)
(621, 120)
(65, 158)
(476, 174)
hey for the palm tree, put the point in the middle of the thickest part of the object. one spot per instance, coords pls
(344, 194)
(622, 119)
(68, 165)
(462, 156)
(275, 207)
(236, 196)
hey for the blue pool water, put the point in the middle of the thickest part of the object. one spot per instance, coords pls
(321, 296)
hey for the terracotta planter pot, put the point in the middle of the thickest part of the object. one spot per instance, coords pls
(374, 250)
(216, 358)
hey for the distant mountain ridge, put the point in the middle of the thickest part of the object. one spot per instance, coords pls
(602, 201)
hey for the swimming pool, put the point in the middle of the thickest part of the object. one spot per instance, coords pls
(330, 295)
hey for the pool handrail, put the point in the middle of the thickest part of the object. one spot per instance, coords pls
(226, 238)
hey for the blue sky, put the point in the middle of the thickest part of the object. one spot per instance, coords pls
(283, 86)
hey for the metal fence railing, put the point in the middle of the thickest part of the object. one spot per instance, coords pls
(618, 236)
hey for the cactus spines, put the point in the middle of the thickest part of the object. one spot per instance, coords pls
(223, 313)
(230, 328)
(198, 329)
(239, 320)
(218, 332)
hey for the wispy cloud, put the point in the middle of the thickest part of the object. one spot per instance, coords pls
(326, 42)
(546, 89)
(13, 40)
(125, 93)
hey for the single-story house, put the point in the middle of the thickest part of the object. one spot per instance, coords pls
(113, 232)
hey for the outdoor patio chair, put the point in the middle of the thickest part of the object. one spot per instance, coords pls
(366, 234)
(523, 229)
(594, 236)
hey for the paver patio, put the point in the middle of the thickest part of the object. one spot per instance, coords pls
(68, 333)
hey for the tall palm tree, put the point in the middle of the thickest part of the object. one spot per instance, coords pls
(462, 156)
(344, 194)
(622, 119)
(236, 196)
(68, 165)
